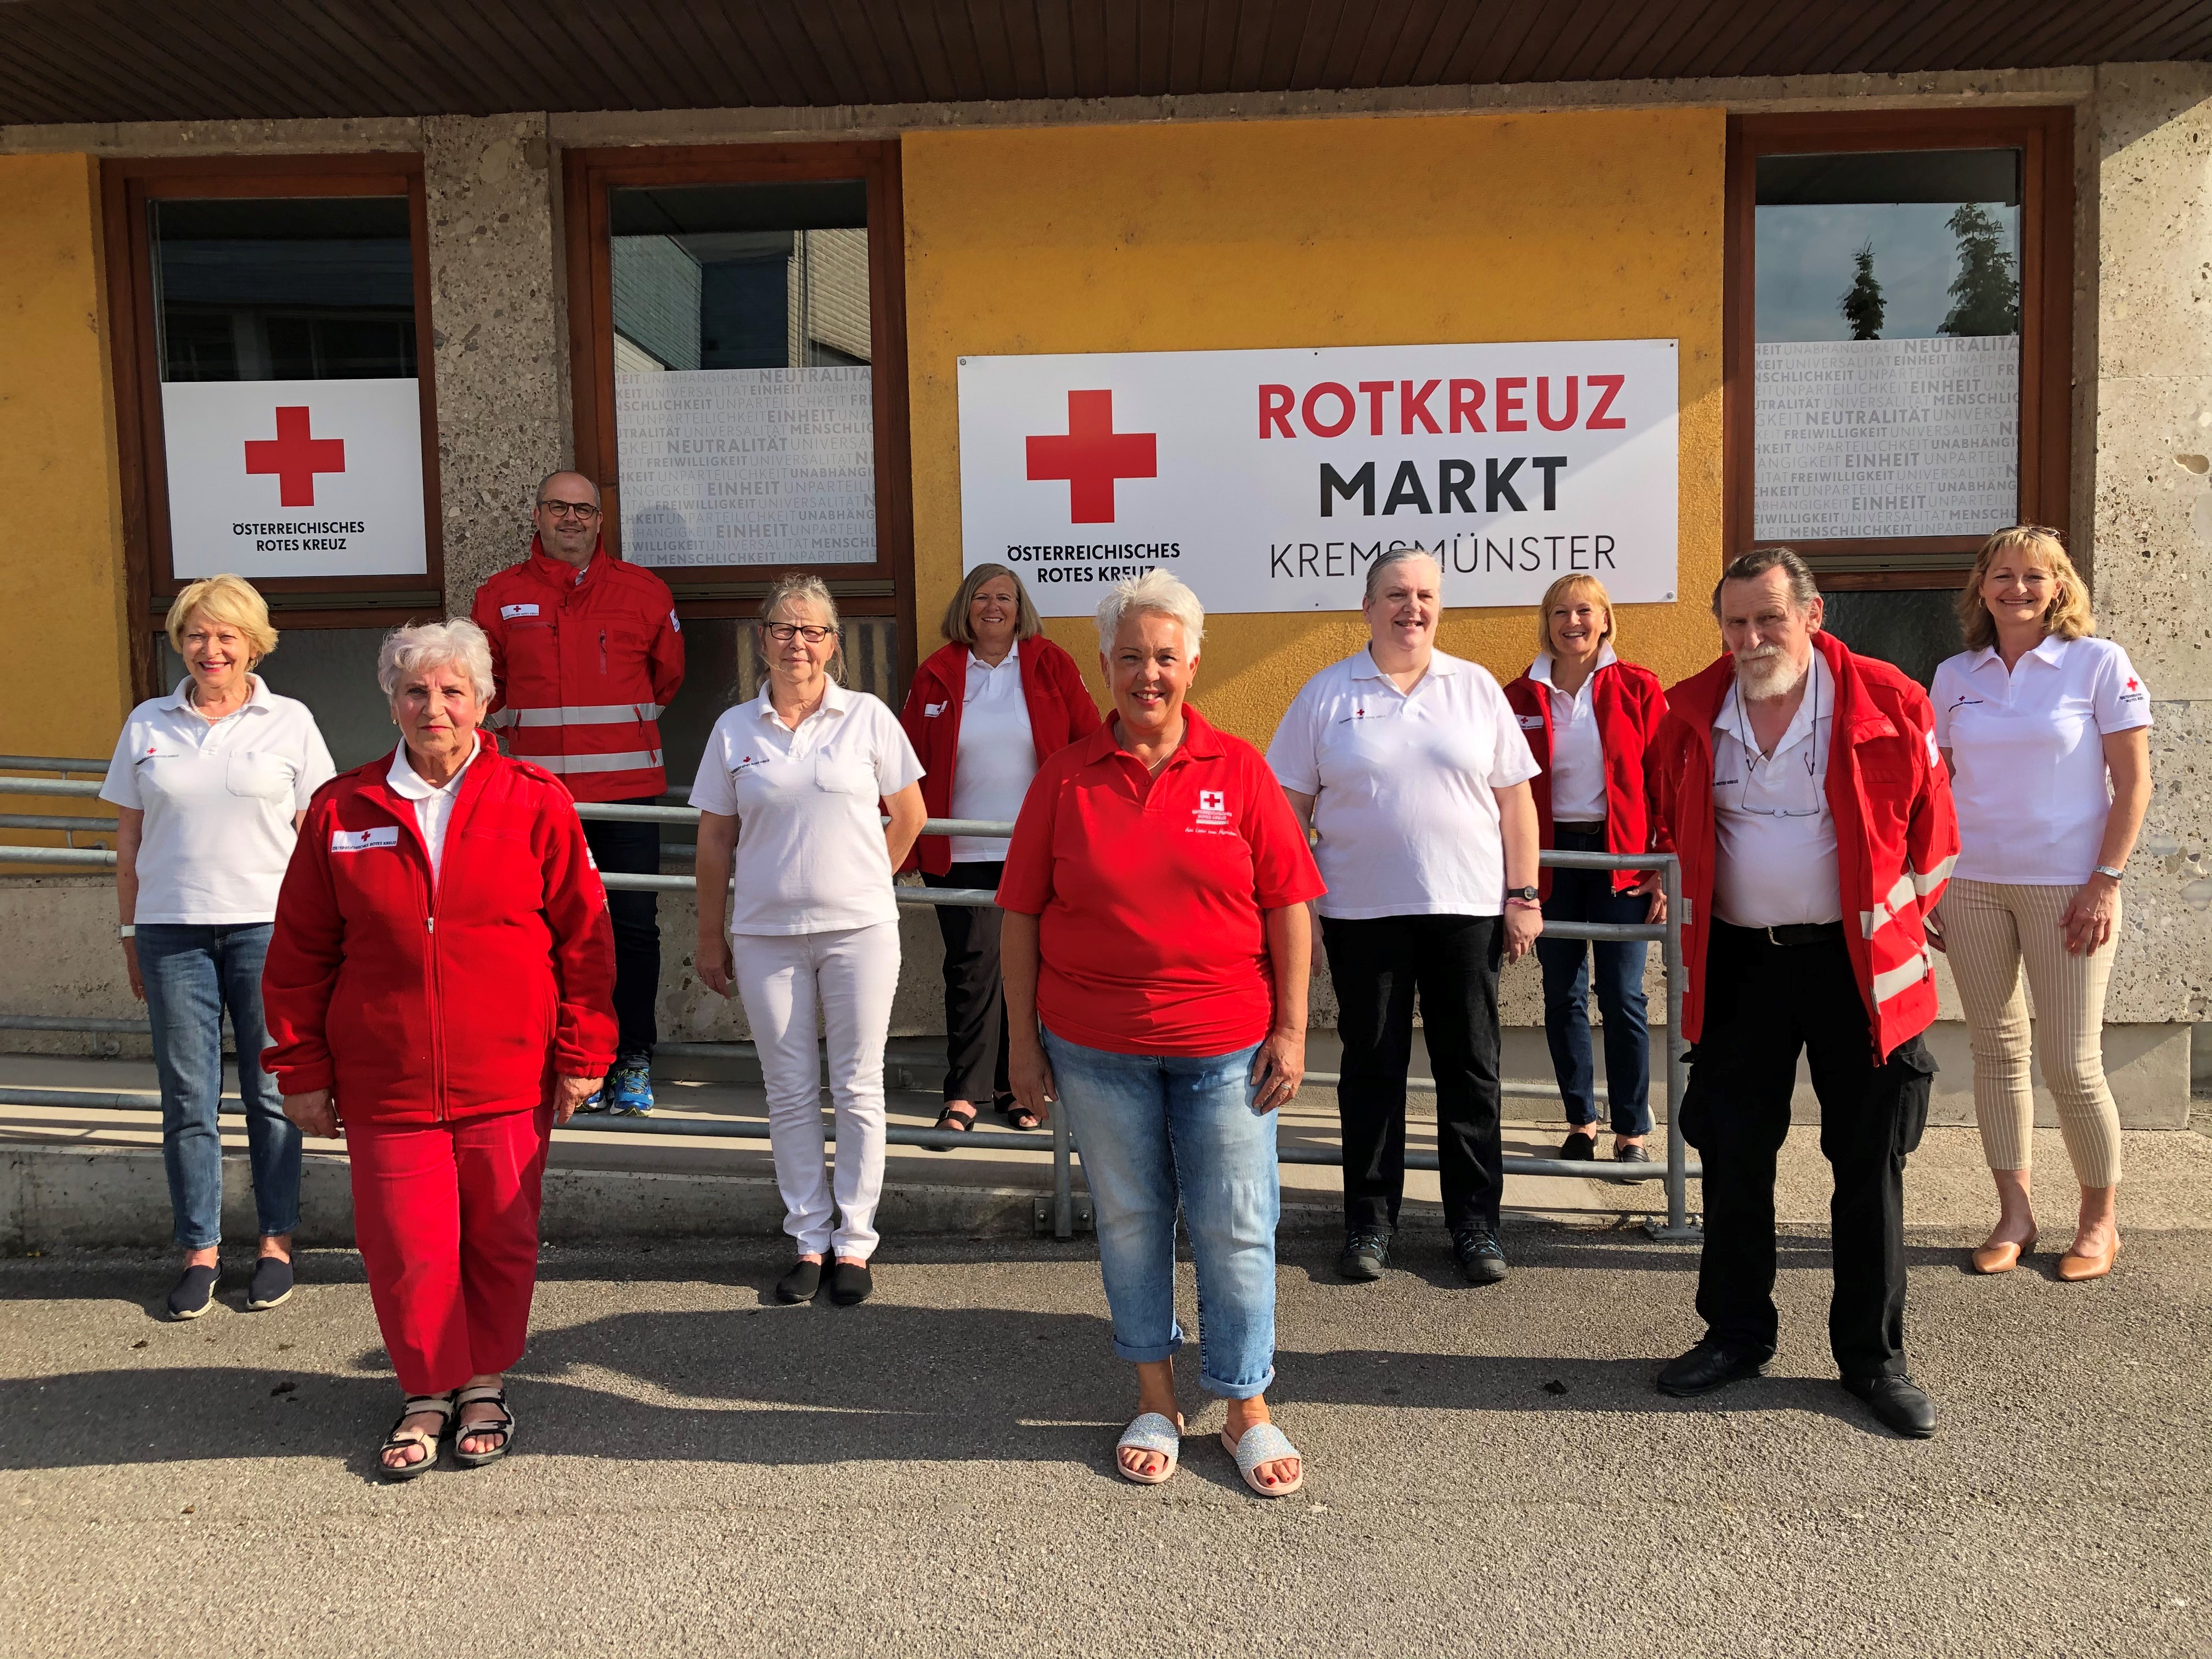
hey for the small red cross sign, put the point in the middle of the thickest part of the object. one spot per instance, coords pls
(294, 457)
(1092, 456)
(2133, 682)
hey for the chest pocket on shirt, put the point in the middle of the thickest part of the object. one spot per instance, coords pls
(844, 774)
(258, 777)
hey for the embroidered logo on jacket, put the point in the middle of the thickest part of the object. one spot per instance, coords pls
(360, 841)
(509, 613)
(1212, 808)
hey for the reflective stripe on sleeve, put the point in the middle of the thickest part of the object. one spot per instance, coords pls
(1905, 977)
(627, 759)
(1929, 881)
(590, 713)
(1895, 900)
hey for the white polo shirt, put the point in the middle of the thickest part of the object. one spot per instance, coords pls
(810, 857)
(1577, 755)
(997, 756)
(433, 803)
(1407, 822)
(2027, 755)
(219, 799)
(1774, 836)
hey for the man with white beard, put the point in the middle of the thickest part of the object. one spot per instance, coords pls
(1800, 784)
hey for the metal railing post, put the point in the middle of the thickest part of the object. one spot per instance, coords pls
(1063, 1177)
(1679, 1226)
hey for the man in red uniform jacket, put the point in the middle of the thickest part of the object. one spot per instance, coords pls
(586, 652)
(1800, 785)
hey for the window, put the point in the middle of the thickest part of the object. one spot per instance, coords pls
(1897, 378)
(740, 395)
(274, 414)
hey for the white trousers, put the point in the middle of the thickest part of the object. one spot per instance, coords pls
(849, 975)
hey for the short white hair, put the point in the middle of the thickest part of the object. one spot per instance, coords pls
(423, 646)
(1156, 592)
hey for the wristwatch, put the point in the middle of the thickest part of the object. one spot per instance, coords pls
(1526, 894)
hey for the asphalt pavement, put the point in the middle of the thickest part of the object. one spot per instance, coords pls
(700, 1471)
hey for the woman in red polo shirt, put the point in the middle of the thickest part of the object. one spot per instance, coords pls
(985, 711)
(1588, 717)
(1156, 927)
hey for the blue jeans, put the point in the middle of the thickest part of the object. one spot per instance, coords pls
(1155, 1130)
(192, 975)
(1587, 896)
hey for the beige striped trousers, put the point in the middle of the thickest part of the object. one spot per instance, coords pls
(1989, 931)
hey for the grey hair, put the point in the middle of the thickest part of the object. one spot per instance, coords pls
(566, 472)
(807, 588)
(1398, 556)
(421, 646)
(1159, 593)
(1750, 566)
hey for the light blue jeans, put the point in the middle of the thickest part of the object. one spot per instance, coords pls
(191, 974)
(1156, 1131)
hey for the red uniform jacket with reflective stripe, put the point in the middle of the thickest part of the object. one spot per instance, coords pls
(1896, 835)
(582, 670)
(419, 1006)
(1629, 704)
(1060, 712)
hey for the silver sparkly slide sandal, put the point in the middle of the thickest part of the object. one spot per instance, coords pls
(1153, 1432)
(1263, 1442)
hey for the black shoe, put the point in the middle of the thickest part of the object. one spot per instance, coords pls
(270, 1284)
(1629, 1154)
(800, 1284)
(193, 1294)
(1481, 1261)
(1578, 1148)
(1712, 1364)
(850, 1284)
(1898, 1402)
(1365, 1255)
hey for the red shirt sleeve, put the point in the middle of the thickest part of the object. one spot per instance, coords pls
(1025, 883)
(1083, 716)
(667, 657)
(1283, 868)
(305, 949)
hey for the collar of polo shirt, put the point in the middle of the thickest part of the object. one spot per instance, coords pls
(1200, 740)
(1364, 667)
(835, 700)
(2050, 647)
(257, 695)
(1013, 654)
(1541, 670)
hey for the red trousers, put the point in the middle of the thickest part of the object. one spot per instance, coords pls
(445, 1216)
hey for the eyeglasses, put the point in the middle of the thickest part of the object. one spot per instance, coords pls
(569, 509)
(1751, 757)
(783, 632)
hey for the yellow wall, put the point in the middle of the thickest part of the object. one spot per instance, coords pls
(61, 575)
(1398, 231)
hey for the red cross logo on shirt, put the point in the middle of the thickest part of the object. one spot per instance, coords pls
(294, 457)
(2133, 682)
(1092, 456)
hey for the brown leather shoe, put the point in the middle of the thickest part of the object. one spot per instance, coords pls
(2074, 1268)
(2002, 1258)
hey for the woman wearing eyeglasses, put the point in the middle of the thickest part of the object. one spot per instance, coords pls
(787, 793)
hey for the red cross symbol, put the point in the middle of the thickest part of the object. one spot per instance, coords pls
(1092, 456)
(294, 457)
(2133, 682)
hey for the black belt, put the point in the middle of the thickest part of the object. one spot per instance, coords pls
(1791, 932)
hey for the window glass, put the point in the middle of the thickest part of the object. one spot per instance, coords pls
(1887, 318)
(744, 419)
(1913, 628)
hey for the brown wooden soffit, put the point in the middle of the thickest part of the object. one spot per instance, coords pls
(134, 60)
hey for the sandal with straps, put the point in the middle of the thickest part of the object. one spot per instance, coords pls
(502, 1425)
(1016, 1115)
(1151, 1432)
(440, 1406)
(960, 1122)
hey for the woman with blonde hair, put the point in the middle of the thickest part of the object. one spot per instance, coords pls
(1588, 716)
(2045, 728)
(209, 784)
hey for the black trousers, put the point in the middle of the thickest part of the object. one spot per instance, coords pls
(974, 996)
(1378, 964)
(1764, 1004)
(632, 849)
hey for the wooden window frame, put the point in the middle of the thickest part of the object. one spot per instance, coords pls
(2045, 136)
(885, 587)
(128, 186)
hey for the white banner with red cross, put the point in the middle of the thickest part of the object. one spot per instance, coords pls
(295, 477)
(1271, 481)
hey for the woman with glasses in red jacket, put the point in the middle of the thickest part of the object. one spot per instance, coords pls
(439, 990)
(985, 711)
(1588, 716)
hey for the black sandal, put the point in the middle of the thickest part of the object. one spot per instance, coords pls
(953, 1120)
(1018, 1116)
(415, 1405)
(502, 1425)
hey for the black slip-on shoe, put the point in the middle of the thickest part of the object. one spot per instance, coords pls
(1711, 1365)
(1578, 1148)
(270, 1284)
(1365, 1256)
(800, 1284)
(194, 1294)
(851, 1284)
(1629, 1154)
(1898, 1402)
(1481, 1261)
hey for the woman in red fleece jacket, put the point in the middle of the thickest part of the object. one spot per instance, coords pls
(446, 1012)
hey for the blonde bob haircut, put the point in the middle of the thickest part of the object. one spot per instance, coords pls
(1161, 595)
(230, 599)
(958, 628)
(2068, 616)
(1566, 588)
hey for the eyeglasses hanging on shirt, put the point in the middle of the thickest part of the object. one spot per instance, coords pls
(1752, 756)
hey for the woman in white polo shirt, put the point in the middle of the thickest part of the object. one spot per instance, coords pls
(209, 784)
(2046, 730)
(787, 793)
(1412, 769)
